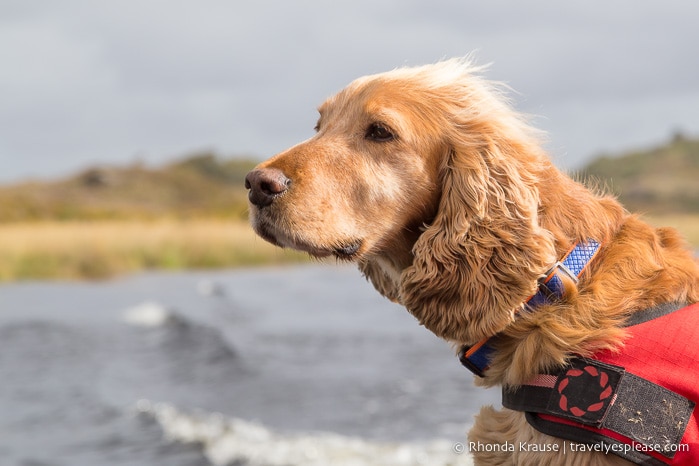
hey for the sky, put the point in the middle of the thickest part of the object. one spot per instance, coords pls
(87, 83)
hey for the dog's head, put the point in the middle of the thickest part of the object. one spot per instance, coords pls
(367, 178)
(427, 179)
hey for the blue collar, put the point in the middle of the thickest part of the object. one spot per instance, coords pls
(476, 358)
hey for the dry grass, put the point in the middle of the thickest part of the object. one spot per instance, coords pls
(101, 249)
(83, 249)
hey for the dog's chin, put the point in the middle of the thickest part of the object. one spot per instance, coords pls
(346, 250)
(349, 251)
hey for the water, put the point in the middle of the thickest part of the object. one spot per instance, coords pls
(284, 366)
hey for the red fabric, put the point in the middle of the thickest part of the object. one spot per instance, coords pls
(665, 351)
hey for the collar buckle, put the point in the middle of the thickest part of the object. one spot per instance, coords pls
(563, 268)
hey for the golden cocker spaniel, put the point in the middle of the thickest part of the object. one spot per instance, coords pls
(443, 196)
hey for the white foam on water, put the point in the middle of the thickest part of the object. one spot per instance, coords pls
(227, 440)
(148, 314)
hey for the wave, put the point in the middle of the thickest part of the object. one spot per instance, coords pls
(149, 314)
(176, 350)
(226, 441)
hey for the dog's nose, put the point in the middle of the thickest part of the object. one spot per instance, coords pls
(265, 184)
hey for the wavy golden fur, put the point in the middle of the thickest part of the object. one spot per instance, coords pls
(442, 194)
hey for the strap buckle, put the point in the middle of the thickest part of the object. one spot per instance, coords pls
(563, 268)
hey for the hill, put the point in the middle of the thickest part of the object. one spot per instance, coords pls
(201, 185)
(658, 181)
(189, 214)
(107, 221)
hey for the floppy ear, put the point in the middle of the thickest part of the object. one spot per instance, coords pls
(481, 257)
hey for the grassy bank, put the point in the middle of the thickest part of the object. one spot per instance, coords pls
(101, 249)
(106, 221)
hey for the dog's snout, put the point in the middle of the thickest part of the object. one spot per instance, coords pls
(265, 184)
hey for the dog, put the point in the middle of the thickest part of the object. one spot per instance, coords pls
(442, 194)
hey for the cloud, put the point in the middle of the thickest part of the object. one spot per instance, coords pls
(88, 82)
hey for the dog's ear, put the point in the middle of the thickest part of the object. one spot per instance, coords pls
(482, 255)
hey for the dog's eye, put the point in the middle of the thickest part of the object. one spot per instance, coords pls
(378, 132)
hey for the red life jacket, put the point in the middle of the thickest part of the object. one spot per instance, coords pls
(638, 404)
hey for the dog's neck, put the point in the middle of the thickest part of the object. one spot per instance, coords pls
(572, 213)
(401, 252)
(393, 265)
(391, 269)
(567, 213)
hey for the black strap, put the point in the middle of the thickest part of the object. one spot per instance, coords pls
(654, 312)
(578, 435)
(583, 392)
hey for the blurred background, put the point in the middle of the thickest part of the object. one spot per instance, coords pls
(143, 323)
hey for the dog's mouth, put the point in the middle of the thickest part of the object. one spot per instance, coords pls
(343, 250)
(348, 251)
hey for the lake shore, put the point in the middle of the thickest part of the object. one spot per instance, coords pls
(103, 249)
(82, 249)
